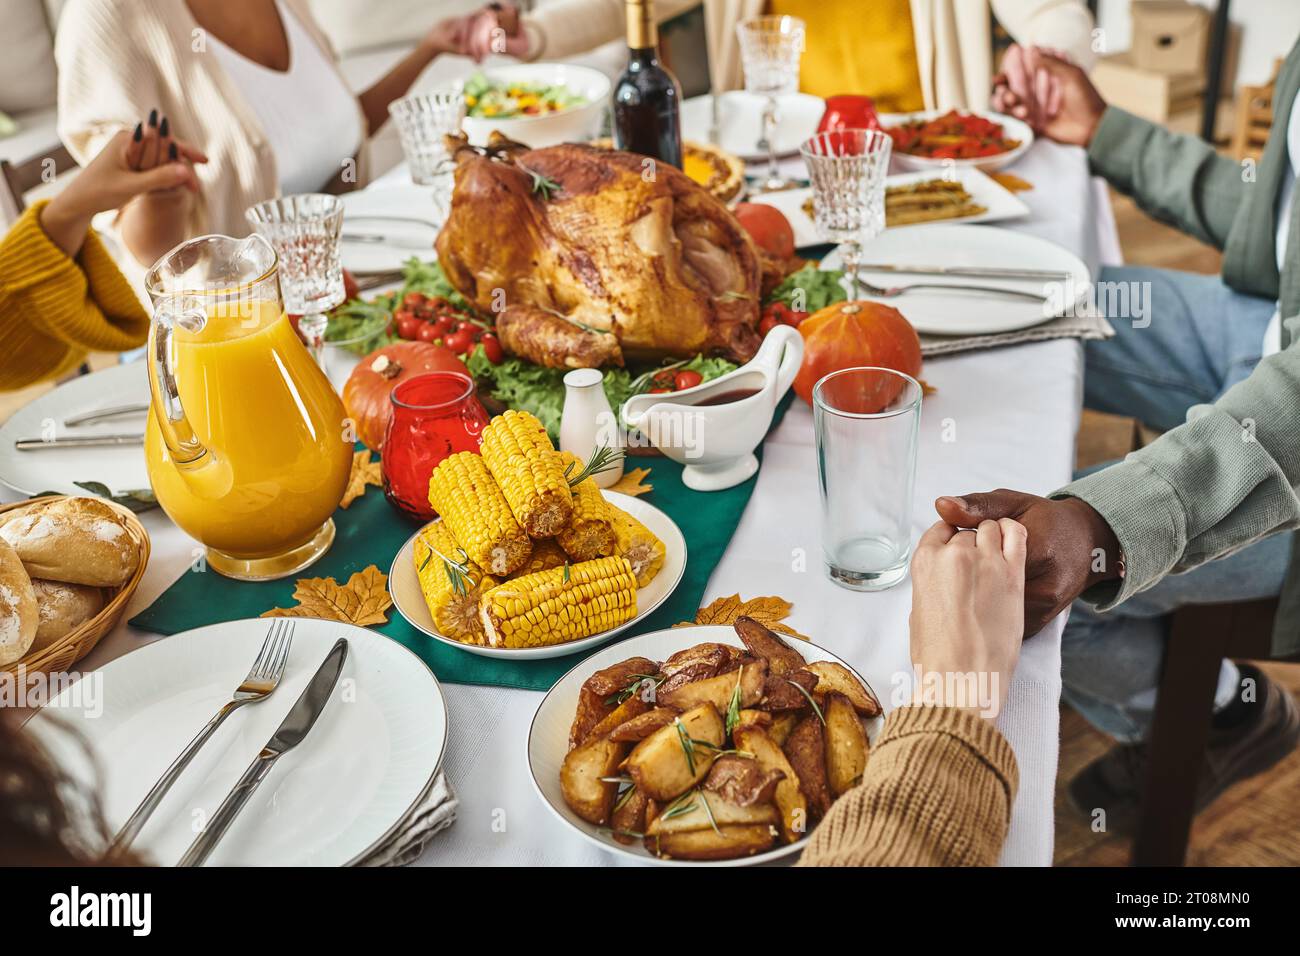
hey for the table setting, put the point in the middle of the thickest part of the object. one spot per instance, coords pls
(417, 487)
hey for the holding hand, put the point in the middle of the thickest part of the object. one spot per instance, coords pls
(1070, 546)
(150, 160)
(495, 29)
(968, 612)
(1049, 92)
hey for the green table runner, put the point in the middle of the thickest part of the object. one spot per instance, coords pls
(371, 532)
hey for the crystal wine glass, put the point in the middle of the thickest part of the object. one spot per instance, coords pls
(304, 232)
(770, 48)
(848, 168)
(423, 121)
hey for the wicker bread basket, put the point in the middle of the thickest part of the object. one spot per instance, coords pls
(80, 641)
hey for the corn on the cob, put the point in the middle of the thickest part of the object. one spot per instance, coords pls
(451, 583)
(559, 605)
(590, 532)
(546, 554)
(519, 453)
(462, 491)
(643, 551)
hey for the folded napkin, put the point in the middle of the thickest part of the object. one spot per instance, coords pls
(432, 813)
(1066, 327)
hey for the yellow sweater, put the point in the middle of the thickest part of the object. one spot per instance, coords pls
(53, 309)
(937, 792)
(856, 47)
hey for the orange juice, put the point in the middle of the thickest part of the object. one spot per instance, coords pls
(278, 456)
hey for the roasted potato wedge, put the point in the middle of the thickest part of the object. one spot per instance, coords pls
(643, 725)
(719, 656)
(741, 780)
(634, 706)
(584, 791)
(846, 744)
(759, 718)
(663, 767)
(592, 709)
(761, 642)
(805, 748)
(789, 797)
(782, 724)
(833, 677)
(782, 691)
(627, 822)
(689, 812)
(719, 690)
(617, 677)
(726, 843)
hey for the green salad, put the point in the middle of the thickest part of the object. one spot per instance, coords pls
(492, 99)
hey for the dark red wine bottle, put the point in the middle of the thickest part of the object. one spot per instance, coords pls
(647, 97)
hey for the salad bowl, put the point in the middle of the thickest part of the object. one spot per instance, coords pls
(579, 96)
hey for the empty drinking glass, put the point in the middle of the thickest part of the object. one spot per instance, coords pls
(304, 232)
(866, 422)
(770, 48)
(848, 169)
(423, 121)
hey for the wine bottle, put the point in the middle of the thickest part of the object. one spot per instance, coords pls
(647, 97)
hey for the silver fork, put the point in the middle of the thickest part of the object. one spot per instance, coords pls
(895, 291)
(262, 680)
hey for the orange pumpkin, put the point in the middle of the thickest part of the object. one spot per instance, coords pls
(367, 390)
(852, 334)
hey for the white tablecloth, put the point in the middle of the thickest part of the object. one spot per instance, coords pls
(1012, 415)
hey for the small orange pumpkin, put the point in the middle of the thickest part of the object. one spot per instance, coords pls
(852, 334)
(367, 390)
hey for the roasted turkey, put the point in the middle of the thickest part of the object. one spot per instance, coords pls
(588, 255)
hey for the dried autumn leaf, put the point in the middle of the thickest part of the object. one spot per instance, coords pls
(768, 611)
(1012, 182)
(362, 601)
(927, 389)
(632, 483)
(364, 472)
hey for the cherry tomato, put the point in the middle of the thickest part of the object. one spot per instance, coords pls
(428, 332)
(409, 327)
(402, 314)
(492, 349)
(443, 324)
(663, 380)
(686, 378)
(659, 391)
(414, 299)
(459, 342)
(766, 324)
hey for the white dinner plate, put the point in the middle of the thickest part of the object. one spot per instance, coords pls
(966, 313)
(999, 202)
(369, 758)
(548, 736)
(404, 217)
(120, 467)
(1011, 127)
(741, 122)
(404, 586)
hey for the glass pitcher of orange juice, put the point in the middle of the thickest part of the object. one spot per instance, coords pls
(247, 444)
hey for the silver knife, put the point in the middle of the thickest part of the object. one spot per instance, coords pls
(379, 239)
(106, 413)
(77, 441)
(987, 272)
(296, 726)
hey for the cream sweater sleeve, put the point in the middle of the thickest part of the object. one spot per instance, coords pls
(937, 791)
(1061, 24)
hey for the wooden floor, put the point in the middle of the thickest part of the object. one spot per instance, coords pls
(1257, 822)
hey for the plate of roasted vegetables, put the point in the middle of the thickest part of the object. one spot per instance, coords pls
(935, 140)
(529, 557)
(700, 745)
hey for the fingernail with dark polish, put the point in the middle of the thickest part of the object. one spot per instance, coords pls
(171, 152)
(139, 132)
(153, 118)
(163, 127)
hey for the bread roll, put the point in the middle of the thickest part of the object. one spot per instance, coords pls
(75, 540)
(18, 614)
(61, 607)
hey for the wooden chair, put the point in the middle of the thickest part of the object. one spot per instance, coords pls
(1200, 636)
(22, 177)
(1253, 118)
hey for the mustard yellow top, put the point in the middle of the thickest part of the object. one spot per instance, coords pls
(858, 46)
(53, 310)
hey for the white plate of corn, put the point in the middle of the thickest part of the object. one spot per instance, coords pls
(550, 606)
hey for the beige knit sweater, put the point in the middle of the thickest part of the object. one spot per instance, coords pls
(937, 792)
(119, 59)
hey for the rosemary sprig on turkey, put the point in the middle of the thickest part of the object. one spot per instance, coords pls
(542, 186)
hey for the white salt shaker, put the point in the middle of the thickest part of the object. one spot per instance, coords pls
(587, 422)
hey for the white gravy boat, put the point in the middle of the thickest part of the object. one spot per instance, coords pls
(716, 443)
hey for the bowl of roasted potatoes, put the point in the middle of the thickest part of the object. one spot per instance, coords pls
(708, 745)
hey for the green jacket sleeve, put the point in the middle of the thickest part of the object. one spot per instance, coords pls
(1225, 478)
(1175, 177)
